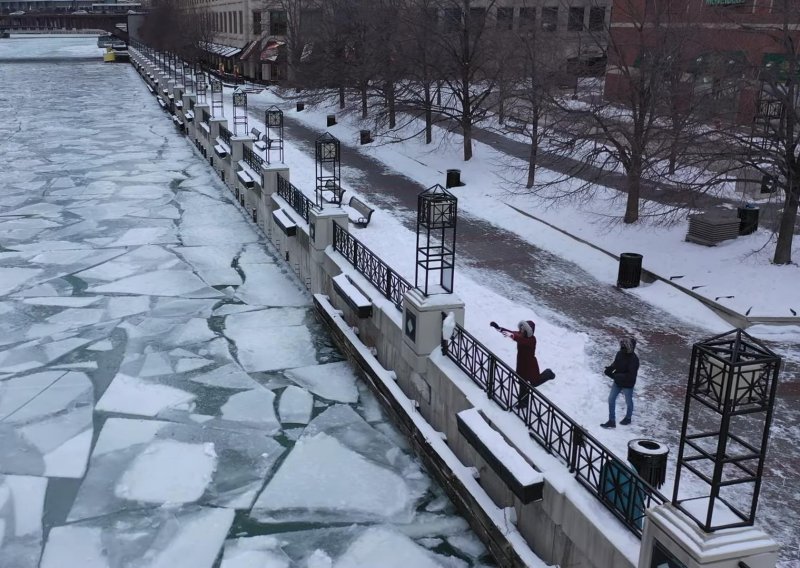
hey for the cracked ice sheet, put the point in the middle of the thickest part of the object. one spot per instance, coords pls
(186, 537)
(46, 424)
(205, 222)
(21, 508)
(339, 451)
(139, 465)
(353, 546)
(272, 339)
(271, 285)
(213, 264)
(332, 381)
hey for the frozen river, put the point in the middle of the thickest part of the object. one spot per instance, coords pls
(167, 397)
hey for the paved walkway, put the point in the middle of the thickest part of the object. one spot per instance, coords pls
(570, 296)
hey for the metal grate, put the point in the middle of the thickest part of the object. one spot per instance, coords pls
(387, 281)
(252, 159)
(294, 197)
(225, 135)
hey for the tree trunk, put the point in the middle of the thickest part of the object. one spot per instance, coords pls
(534, 150)
(783, 248)
(341, 96)
(501, 111)
(364, 101)
(428, 115)
(466, 127)
(390, 101)
(634, 188)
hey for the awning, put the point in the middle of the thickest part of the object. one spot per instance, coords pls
(254, 47)
(777, 65)
(220, 49)
(270, 51)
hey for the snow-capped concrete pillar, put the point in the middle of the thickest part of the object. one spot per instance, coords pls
(670, 536)
(422, 324)
(219, 163)
(191, 128)
(320, 235)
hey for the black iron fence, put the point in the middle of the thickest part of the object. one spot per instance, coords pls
(252, 159)
(206, 117)
(606, 476)
(387, 281)
(225, 135)
(294, 197)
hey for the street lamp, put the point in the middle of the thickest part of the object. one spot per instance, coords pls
(328, 155)
(437, 217)
(730, 399)
(239, 111)
(273, 119)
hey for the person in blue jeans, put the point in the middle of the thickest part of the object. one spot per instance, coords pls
(623, 370)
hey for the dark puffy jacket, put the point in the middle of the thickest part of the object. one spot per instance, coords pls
(624, 369)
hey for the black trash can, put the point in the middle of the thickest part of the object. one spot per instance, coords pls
(649, 459)
(748, 219)
(453, 178)
(630, 270)
(331, 119)
(301, 106)
(365, 137)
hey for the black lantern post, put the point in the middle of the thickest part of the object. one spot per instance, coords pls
(729, 404)
(437, 216)
(216, 98)
(179, 75)
(239, 111)
(188, 78)
(202, 87)
(273, 119)
(329, 166)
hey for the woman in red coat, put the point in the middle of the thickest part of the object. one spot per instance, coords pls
(527, 364)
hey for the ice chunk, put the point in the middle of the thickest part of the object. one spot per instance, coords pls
(104, 345)
(21, 508)
(11, 278)
(334, 381)
(370, 550)
(213, 264)
(123, 306)
(228, 376)
(269, 285)
(254, 406)
(159, 283)
(318, 477)
(169, 472)
(191, 364)
(65, 301)
(254, 552)
(269, 348)
(131, 395)
(189, 537)
(296, 405)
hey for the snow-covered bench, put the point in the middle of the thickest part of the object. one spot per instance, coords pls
(353, 296)
(521, 477)
(259, 142)
(285, 222)
(364, 212)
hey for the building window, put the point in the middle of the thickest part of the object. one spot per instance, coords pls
(575, 23)
(241, 22)
(527, 18)
(256, 22)
(597, 19)
(550, 18)
(452, 19)
(277, 23)
(505, 18)
(477, 18)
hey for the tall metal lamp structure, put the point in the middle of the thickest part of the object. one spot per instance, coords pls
(437, 217)
(216, 98)
(273, 119)
(202, 87)
(188, 78)
(730, 400)
(239, 111)
(329, 168)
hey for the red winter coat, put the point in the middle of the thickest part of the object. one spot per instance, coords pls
(527, 365)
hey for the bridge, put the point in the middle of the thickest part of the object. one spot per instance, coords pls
(115, 24)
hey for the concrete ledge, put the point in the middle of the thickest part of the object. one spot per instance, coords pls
(245, 178)
(220, 151)
(523, 480)
(284, 222)
(353, 295)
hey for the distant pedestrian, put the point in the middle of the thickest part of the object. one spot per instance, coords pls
(527, 364)
(623, 371)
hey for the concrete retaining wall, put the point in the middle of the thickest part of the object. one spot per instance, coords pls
(555, 528)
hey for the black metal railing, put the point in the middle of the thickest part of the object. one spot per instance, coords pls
(206, 117)
(607, 477)
(294, 197)
(225, 135)
(252, 159)
(387, 281)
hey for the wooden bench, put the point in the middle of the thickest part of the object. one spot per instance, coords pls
(364, 211)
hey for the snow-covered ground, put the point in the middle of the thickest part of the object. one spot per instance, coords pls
(167, 397)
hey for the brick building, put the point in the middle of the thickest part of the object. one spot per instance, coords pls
(733, 51)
